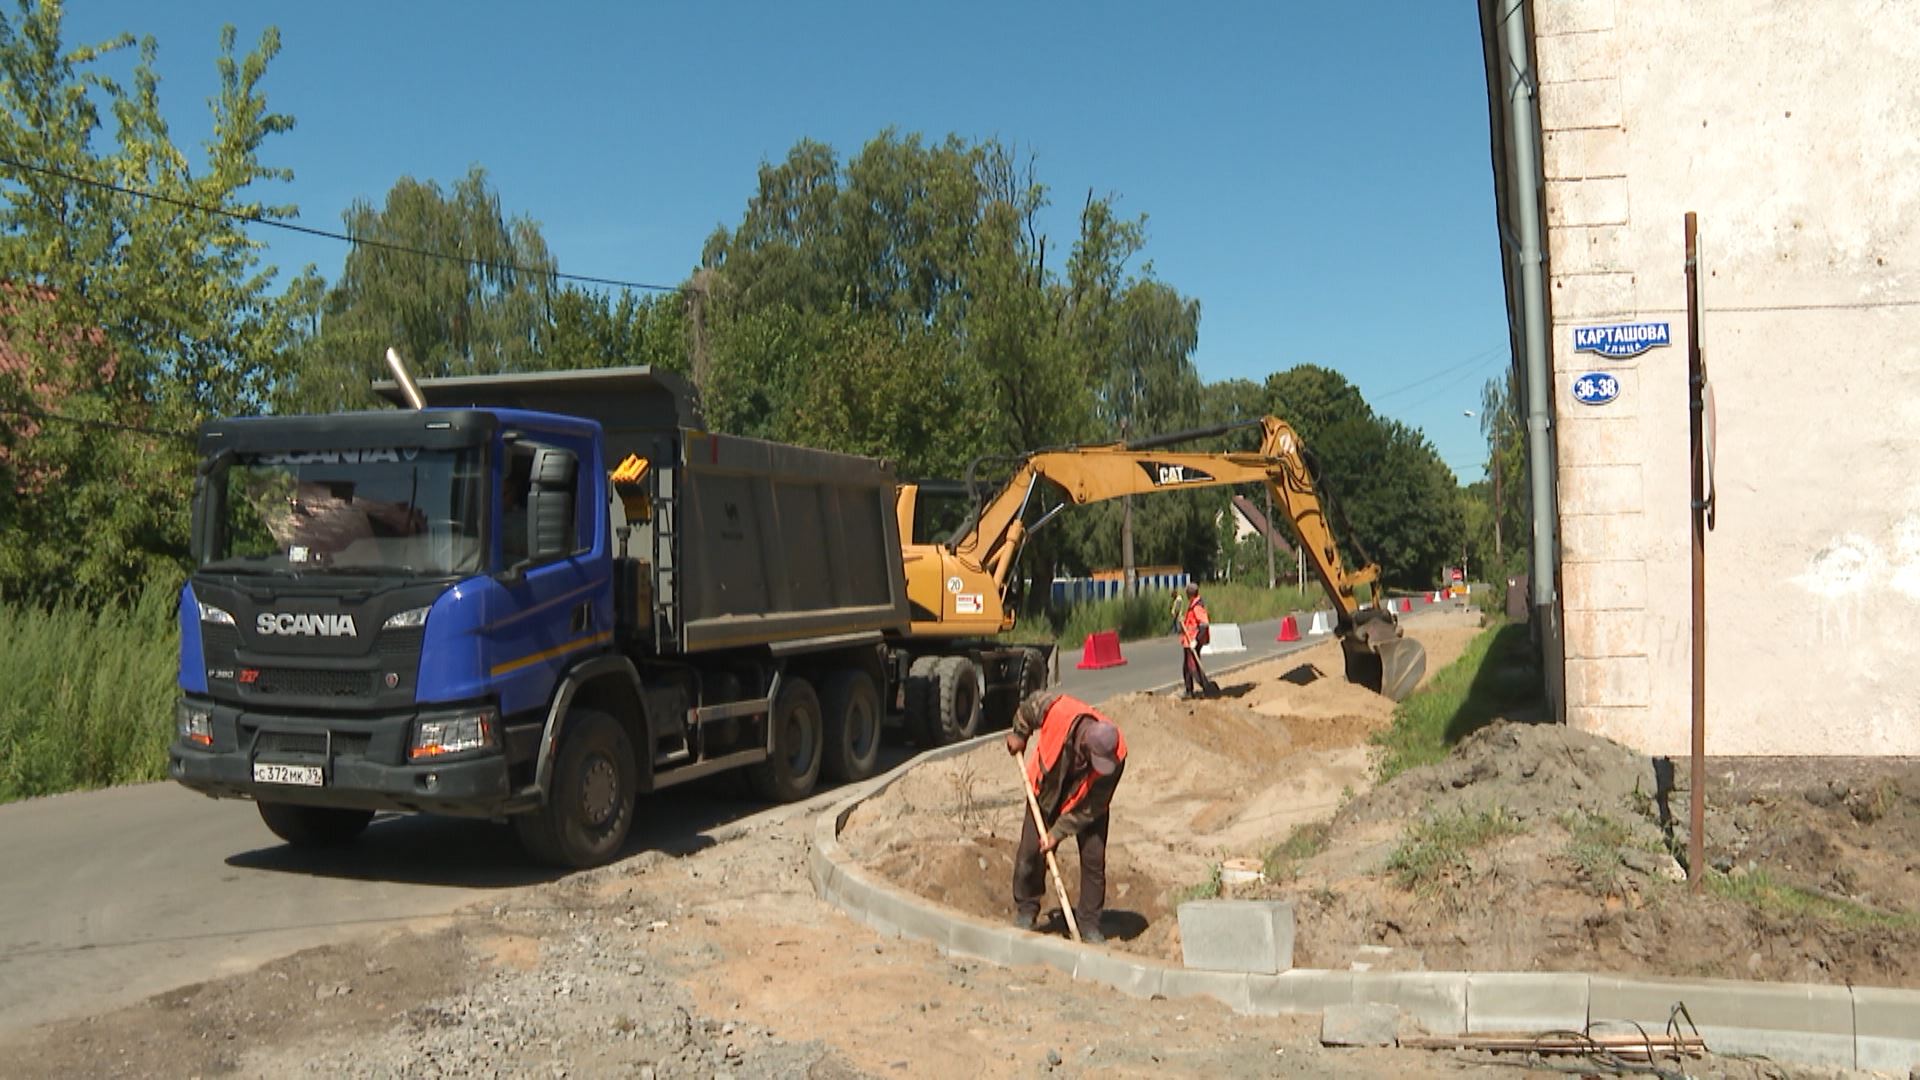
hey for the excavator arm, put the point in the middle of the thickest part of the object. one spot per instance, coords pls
(961, 588)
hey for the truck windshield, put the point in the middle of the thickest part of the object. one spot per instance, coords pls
(372, 511)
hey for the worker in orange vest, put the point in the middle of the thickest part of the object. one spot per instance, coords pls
(1073, 773)
(1195, 631)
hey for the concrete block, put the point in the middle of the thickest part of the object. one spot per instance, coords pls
(1604, 586)
(1232, 990)
(1603, 537)
(1223, 638)
(1565, 58)
(1886, 1029)
(1056, 953)
(1623, 725)
(820, 870)
(1132, 977)
(894, 913)
(1609, 436)
(1594, 635)
(1360, 1025)
(1602, 489)
(1436, 1000)
(1508, 1001)
(1584, 103)
(1299, 991)
(991, 943)
(1588, 297)
(1572, 17)
(1616, 681)
(1812, 1025)
(1593, 249)
(1254, 936)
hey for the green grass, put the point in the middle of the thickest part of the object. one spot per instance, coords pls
(1435, 849)
(1206, 890)
(1283, 860)
(1760, 891)
(1494, 677)
(89, 696)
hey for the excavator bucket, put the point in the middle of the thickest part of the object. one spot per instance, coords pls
(1382, 659)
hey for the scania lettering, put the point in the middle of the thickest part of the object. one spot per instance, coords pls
(311, 625)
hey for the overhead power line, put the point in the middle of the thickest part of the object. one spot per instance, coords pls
(1477, 360)
(256, 219)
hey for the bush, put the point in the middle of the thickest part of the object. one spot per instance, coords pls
(89, 700)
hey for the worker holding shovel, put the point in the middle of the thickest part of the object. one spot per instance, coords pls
(1070, 780)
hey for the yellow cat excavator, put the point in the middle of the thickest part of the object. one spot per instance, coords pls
(961, 588)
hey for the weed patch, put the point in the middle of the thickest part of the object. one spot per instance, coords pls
(1761, 892)
(1283, 859)
(1435, 851)
(1205, 890)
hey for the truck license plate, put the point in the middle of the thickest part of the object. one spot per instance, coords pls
(303, 775)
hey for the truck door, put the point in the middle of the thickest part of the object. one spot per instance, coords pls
(551, 554)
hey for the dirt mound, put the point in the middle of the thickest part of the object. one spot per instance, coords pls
(1530, 770)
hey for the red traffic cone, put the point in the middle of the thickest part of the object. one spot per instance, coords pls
(1289, 630)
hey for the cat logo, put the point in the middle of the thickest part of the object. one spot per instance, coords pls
(1162, 474)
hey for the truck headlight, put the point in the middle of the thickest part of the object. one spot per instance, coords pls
(453, 735)
(193, 723)
(209, 613)
(407, 620)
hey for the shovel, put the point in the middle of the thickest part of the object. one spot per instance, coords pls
(1053, 864)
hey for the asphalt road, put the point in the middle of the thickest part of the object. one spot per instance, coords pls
(110, 896)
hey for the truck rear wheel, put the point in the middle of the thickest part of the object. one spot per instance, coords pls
(923, 702)
(313, 826)
(959, 679)
(793, 767)
(852, 708)
(590, 806)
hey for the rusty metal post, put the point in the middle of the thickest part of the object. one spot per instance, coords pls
(1696, 408)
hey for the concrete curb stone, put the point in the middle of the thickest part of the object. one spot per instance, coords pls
(1521, 1001)
(1858, 1027)
(1886, 1029)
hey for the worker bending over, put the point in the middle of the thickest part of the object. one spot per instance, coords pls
(1073, 772)
(1195, 631)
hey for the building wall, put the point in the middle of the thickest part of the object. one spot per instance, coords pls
(1793, 130)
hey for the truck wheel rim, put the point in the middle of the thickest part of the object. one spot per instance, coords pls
(599, 792)
(800, 738)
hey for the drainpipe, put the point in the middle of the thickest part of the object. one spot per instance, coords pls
(1524, 128)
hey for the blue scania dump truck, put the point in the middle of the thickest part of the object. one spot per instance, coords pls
(533, 598)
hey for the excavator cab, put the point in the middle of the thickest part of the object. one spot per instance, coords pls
(1380, 657)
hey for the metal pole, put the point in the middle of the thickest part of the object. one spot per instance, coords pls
(1696, 382)
(1524, 124)
(408, 388)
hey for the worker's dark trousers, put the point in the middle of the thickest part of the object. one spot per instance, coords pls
(1030, 872)
(1194, 675)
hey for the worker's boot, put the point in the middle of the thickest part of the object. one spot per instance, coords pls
(1024, 919)
(1090, 932)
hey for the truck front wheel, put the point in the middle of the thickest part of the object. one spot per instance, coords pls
(313, 826)
(853, 726)
(590, 805)
(793, 761)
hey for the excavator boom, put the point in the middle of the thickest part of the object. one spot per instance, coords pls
(961, 588)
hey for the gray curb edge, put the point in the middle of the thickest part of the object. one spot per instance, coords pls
(1834, 1026)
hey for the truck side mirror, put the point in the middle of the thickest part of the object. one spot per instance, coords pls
(550, 516)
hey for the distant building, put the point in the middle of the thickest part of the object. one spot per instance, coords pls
(1790, 131)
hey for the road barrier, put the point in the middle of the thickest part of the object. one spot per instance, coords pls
(1223, 638)
(1101, 650)
(1289, 629)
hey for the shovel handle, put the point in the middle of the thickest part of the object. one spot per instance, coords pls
(1053, 864)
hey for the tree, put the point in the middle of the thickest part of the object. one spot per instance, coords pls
(485, 309)
(122, 309)
(1507, 495)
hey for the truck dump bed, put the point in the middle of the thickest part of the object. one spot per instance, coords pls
(750, 542)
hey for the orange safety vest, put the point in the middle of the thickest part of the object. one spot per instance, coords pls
(1054, 727)
(1196, 617)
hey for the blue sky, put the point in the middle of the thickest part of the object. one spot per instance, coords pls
(1318, 176)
